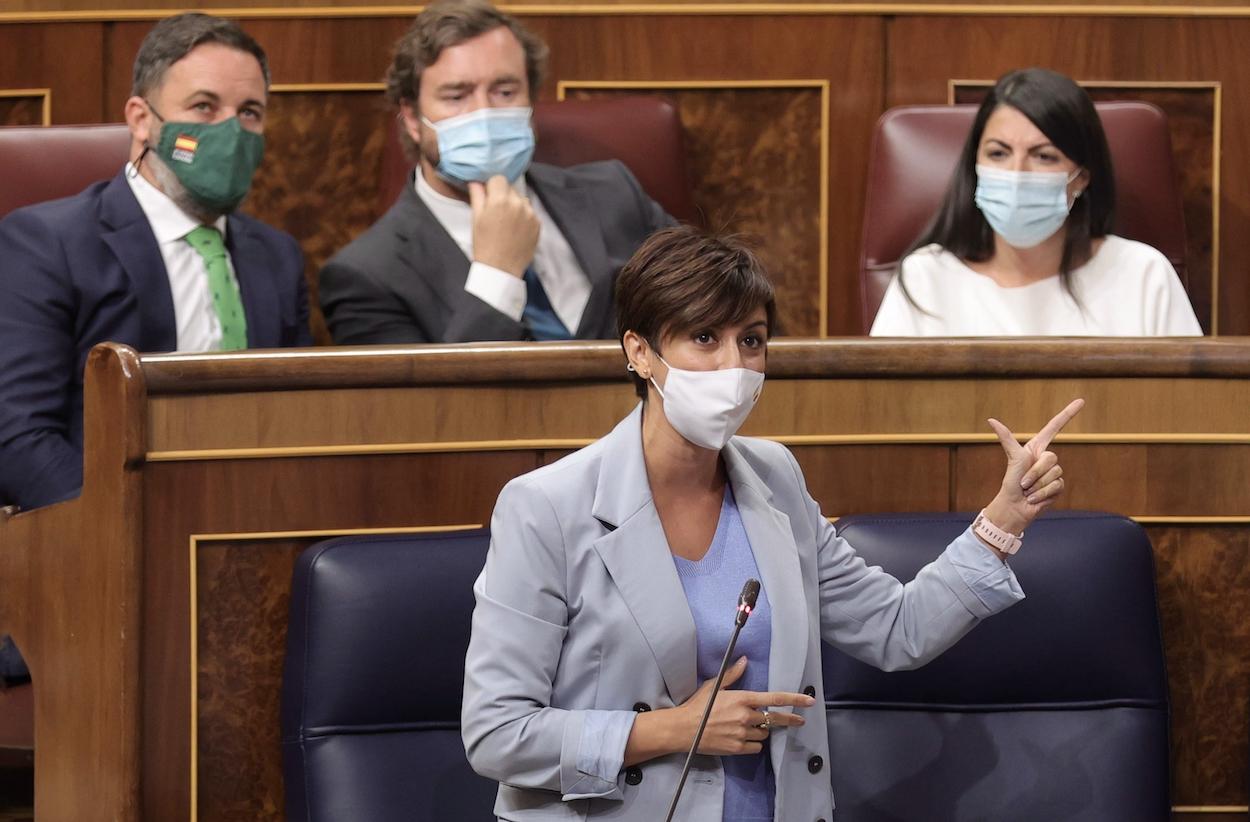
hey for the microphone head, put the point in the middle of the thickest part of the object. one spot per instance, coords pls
(750, 593)
(746, 601)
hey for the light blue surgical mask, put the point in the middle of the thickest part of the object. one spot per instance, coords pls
(476, 146)
(1024, 207)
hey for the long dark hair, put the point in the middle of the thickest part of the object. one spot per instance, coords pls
(1064, 113)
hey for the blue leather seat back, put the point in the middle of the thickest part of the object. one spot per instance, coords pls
(1054, 709)
(373, 679)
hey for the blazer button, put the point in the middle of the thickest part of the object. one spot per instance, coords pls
(810, 690)
(641, 707)
(815, 764)
(821, 819)
(633, 775)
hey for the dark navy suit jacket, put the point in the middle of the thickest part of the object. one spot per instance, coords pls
(85, 270)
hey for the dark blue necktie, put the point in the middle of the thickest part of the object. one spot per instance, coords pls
(541, 318)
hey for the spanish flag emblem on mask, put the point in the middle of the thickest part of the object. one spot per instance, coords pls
(184, 148)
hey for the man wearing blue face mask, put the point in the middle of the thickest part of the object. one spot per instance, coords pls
(483, 244)
(155, 258)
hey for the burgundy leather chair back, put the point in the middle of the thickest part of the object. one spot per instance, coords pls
(914, 152)
(46, 163)
(644, 133)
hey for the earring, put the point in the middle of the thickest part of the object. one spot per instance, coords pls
(629, 366)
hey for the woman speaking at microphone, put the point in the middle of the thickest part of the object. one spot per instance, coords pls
(607, 599)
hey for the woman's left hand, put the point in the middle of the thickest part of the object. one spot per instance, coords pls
(1034, 478)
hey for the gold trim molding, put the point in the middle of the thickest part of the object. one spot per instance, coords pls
(1191, 520)
(44, 93)
(1217, 89)
(1210, 808)
(661, 9)
(792, 440)
(195, 621)
(279, 88)
(564, 86)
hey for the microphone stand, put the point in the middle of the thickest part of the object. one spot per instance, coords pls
(745, 604)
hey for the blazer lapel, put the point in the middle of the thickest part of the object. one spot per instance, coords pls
(250, 260)
(777, 558)
(577, 220)
(128, 235)
(428, 250)
(638, 558)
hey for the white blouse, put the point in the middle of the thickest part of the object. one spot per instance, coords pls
(1128, 289)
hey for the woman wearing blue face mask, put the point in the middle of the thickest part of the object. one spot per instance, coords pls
(605, 605)
(1022, 245)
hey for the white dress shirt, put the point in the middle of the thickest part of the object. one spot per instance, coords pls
(1127, 289)
(195, 319)
(558, 270)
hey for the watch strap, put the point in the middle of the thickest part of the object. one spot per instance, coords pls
(1004, 541)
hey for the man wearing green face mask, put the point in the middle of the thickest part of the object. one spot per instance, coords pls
(156, 258)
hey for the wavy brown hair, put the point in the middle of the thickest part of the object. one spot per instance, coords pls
(440, 26)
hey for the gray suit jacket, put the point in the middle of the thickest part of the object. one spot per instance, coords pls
(579, 607)
(402, 281)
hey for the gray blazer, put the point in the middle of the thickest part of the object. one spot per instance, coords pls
(402, 281)
(579, 607)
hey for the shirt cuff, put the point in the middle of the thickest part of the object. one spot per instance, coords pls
(989, 578)
(601, 753)
(498, 289)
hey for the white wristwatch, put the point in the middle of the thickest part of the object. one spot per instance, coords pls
(1004, 541)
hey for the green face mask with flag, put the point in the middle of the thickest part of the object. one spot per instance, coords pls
(213, 161)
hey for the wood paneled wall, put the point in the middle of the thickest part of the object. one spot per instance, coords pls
(758, 165)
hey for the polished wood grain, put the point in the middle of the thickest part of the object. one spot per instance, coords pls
(73, 559)
(1202, 579)
(151, 9)
(846, 51)
(863, 479)
(242, 604)
(731, 133)
(1134, 480)
(65, 58)
(326, 159)
(400, 366)
(21, 110)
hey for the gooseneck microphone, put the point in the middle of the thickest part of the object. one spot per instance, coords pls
(746, 604)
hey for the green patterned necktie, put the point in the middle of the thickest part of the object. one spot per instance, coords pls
(226, 301)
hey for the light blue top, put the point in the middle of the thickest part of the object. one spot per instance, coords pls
(712, 587)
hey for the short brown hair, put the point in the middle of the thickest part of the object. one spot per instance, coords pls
(174, 38)
(684, 279)
(447, 23)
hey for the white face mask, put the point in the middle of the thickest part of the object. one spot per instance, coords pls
(708, 407)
